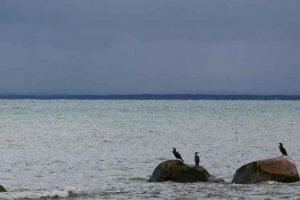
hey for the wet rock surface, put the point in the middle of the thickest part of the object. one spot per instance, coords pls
(281, 169)
(2, 189)
(176, 170)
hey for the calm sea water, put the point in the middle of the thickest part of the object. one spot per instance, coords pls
(107, 149)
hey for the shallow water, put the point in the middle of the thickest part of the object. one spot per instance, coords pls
(107, 149)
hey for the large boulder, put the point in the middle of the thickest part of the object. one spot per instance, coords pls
(176, 170)
(281, 169)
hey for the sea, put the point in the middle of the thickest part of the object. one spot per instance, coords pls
(91, 148)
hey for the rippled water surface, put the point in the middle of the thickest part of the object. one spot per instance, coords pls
(104, 149)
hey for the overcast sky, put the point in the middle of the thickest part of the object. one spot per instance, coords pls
(154, 46)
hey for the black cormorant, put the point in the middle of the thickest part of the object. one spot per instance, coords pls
(177, 154)
(197, 159)
(282, 150)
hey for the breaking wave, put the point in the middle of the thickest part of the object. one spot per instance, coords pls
(67, 192)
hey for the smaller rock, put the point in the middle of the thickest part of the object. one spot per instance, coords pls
(2, 189)
(176, 170)
(281, 169)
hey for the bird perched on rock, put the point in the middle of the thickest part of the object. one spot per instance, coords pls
(197, 159)
(177, 154)
(282, 150)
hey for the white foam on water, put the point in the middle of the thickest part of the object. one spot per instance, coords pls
(68, 191)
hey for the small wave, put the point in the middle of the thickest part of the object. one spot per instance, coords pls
(143, 179)
(271, 182)
(67, 192)
(161, 158)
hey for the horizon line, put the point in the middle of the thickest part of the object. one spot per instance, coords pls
(151, 96)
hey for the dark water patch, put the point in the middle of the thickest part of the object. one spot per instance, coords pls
(139, 179)
(107, 141)
(186, 198)
(161, 158)
(110, 194)
(217, 195)
(285, 197)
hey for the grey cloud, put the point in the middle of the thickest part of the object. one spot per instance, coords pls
(109, 47)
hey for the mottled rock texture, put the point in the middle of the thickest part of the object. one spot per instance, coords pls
(2, 189)
(176, 170)
(281, 169)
